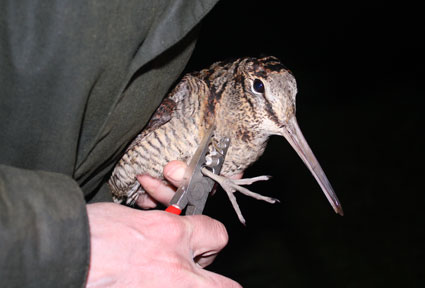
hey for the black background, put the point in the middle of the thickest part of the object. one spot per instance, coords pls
(360, 106)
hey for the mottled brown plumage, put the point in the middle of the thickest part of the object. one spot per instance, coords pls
(247, 100)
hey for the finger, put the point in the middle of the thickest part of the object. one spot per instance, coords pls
(157, 189)
(145, 201)
(174, 172)
(205, 259)
(217, 280)
(207, 237)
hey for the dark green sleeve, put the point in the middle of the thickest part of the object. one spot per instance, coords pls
(79, 80)
(44, 239)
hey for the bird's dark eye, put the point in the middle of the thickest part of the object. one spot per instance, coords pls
(258, 86)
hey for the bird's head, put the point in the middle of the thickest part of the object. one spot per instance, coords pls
(263, 91)
(271, 89)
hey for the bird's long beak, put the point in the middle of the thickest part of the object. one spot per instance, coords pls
(293, 134)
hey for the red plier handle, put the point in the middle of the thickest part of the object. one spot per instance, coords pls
(174, 210)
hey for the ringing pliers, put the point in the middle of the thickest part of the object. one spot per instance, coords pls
(194, 191)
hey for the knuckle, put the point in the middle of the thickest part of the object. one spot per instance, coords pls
(178, 267)
(163, 225)
(217, 280)
(221, 231)
(174, 227)
(228, 283)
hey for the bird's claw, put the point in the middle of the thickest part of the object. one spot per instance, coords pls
(233, 185)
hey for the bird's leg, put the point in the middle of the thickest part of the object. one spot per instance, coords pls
(233, 185)
(232, 198)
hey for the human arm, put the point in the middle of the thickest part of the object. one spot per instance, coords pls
(44, 240)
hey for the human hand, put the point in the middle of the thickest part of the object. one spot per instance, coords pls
(154, 248)
(133, 248)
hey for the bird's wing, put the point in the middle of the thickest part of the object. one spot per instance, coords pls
(166, 109)
(162, 114)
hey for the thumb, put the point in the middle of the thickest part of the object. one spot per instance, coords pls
(174, 172)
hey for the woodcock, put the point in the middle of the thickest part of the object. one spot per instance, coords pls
(247, 100)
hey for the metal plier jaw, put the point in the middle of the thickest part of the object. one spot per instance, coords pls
(194, 191)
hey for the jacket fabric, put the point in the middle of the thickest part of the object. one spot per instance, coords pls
(78, 80)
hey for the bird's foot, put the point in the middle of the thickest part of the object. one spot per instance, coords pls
(233, 185)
